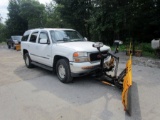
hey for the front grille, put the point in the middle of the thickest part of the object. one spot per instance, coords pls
(94, 56)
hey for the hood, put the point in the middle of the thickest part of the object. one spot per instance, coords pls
(85, 46)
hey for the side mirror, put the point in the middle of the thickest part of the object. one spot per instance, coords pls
(43, 41)
(98, 44)
(85, 39)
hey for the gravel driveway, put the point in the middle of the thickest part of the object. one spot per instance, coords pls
(37, 94)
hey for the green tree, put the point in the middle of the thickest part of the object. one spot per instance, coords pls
(53, 16)
(103, 20)
(33, 13)
(76, 13)
(16, 25)
(23, 15)
(107, 20)
(2, 32)
(0, 18)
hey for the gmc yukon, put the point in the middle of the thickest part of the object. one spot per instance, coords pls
(63, 51)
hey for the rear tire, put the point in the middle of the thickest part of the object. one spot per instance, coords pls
(28, 61)
(63, 71)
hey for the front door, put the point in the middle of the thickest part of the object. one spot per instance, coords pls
(44, 51)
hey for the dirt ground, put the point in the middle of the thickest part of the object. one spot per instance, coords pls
(37, 94)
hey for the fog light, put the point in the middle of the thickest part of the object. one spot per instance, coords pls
(87, 67)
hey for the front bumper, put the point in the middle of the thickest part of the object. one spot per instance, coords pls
(84, 68)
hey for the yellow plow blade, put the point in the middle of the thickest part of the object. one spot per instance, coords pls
(127, 83)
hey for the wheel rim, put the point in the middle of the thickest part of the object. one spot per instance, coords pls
(27, 61)
(61, 71)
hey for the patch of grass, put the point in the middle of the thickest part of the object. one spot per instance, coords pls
(2, 43)
(147, 50)
(148, 54)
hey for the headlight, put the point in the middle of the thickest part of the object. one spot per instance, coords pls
(80, 57)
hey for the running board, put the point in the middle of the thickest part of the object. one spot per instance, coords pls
(42, 66)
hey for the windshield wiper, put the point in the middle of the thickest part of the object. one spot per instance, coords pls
(64, 40)
(75, 40)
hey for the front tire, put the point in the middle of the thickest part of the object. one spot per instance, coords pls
(28, 61)
(63, 71)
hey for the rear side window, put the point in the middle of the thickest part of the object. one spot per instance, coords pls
(25, 36)
(33, 37)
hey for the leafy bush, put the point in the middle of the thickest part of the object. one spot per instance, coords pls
(147, 47)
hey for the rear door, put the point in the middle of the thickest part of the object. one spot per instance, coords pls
(32, 45)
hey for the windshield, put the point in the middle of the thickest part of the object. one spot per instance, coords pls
(66, 36)
(16, 38)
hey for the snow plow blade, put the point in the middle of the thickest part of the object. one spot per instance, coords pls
(127, 84)
(123, 81)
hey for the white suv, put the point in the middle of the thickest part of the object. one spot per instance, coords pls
(64, 51)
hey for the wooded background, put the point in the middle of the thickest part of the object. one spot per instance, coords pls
(98, 20)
